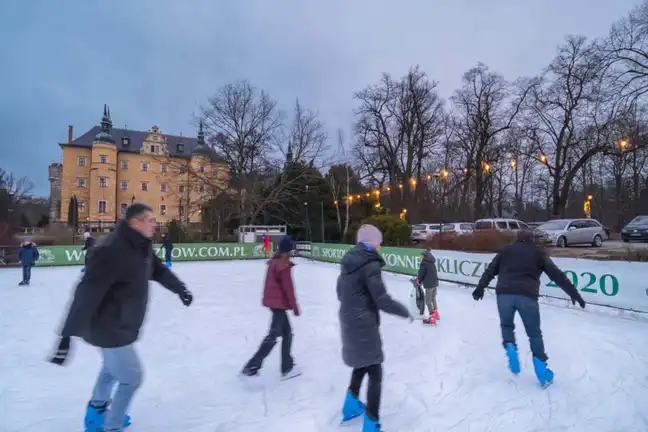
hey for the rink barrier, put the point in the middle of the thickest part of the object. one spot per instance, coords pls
(616, 284)
(73, 255)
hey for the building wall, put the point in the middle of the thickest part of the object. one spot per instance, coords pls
(115, 172)
(70, 173)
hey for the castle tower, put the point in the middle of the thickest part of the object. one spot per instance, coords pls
(103, 174)
(55, 173)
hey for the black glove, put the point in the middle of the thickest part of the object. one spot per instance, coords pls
(60, 357)
(578, 299)
(478, 294)
(186, 296)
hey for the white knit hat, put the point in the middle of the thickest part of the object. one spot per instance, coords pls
(369, 234)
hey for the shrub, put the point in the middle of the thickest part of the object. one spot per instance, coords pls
(478, 241)
(396, 232)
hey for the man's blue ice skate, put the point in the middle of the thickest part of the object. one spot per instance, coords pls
(352, 408)
(513, 359)
(96, 416)
(543, 373)
(370, 425)
(168, 264)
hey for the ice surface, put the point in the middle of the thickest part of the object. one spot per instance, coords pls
(449, 378)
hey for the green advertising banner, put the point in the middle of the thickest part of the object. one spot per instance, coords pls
(73, 255)
(611, 283)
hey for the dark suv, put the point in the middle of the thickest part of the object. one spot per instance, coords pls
(636, 230)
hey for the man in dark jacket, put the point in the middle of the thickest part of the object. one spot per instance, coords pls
(362, 294)
(28, 255)
(279, 297)
(108, 310)
(167, 245)
(428, 278)
(88, 243)
(518, 268)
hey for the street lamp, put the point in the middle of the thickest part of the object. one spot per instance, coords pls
(543, 158)
(513, 163)
(624, 143)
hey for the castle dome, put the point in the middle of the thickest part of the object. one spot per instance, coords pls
(106, 125)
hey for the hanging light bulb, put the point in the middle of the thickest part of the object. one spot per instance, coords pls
(543, 158)
(486, 167)
(428, 177)
(513, 163)
(445, 174)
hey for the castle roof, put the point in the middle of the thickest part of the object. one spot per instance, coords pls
(137, 138)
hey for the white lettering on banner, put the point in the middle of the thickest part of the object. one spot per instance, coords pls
(613, 283)
(619, 284)
(207, 252)
(74, 255)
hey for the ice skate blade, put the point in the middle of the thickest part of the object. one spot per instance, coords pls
(290, 376)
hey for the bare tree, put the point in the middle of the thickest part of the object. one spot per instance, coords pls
(484, 108)
(626, 51)
(18, 188)
(398, 124)
(569, 115)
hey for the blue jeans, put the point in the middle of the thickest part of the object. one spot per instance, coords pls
(121, 366)
(26, 273)
(529, 310)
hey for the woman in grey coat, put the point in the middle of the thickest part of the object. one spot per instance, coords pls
(362, 295)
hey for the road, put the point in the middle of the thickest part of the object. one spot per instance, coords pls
(618, 244)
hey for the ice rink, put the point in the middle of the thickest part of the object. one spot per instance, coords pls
(449, 378)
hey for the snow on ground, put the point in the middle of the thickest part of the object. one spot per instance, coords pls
(449, 378)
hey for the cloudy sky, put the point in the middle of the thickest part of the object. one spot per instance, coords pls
(155, 61)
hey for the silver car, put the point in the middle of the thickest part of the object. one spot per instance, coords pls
(568, 232)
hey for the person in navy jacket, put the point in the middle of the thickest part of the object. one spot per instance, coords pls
(28, 255)
(167, 245)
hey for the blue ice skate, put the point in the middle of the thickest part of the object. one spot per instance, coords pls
(543, 373)
(352, 408)
(370, 425)
(513, 359)
(96, 416)
(168, 264)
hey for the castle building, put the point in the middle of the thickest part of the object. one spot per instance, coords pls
(107, 169)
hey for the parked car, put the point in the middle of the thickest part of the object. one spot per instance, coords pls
(460, 228)
(421, 232)
(636, 230)
(500, 224)
(568, 232)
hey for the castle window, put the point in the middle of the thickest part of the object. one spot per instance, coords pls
(81, 205)
(82, 182)
(124, 165)
(82, 161)
(154, 149)
(103, 182)
(181, 211)
(122, 208)
(181, 188)
(125, 141)
(103, 159)
(215, 172)
(201, 189)
(202, 169)
(162, 209)
(123, 185)
(163, 187)
(145, 186)
(103, 207)
(145, 166)
(180, 148)
(163, 168)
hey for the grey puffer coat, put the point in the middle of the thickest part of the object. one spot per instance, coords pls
(427, 274)
(362, 294)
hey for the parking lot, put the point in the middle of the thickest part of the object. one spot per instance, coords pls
(618, 244)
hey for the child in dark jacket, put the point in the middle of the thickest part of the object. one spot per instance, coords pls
(279, 297)
(28, 255)
(428, 278)
(362, 295)
(89, 242)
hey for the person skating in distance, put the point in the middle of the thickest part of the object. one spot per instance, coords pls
(279, 297)
(518, 268)
(427, 276)
(108, 310)
(362, 295)
(28, 256)
(89, 242)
